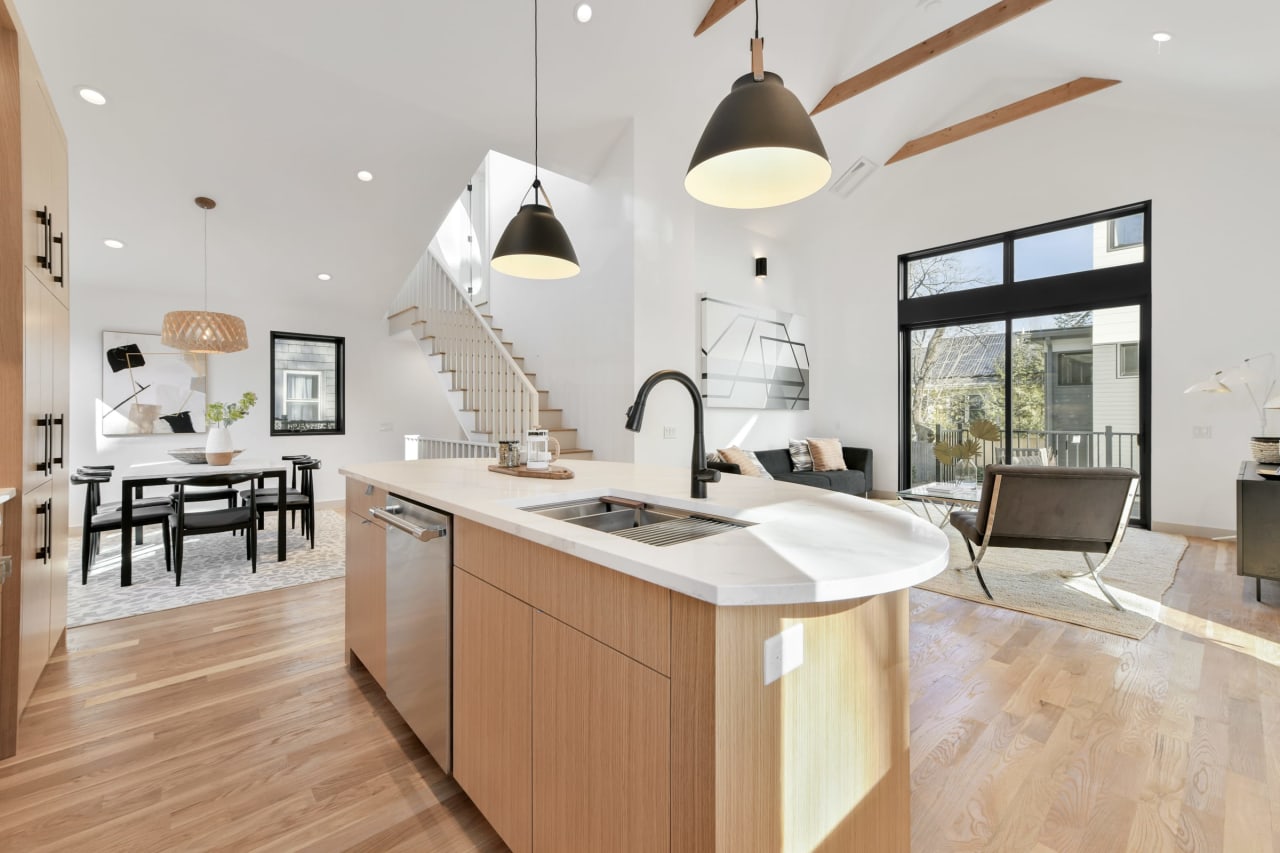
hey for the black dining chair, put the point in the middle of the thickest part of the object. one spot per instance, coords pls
(100, 474)
(98, 520)
(226, 520)
(301, 499)
(267, 492)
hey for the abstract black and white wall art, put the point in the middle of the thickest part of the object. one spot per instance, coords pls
(149, 388)
(752, 357)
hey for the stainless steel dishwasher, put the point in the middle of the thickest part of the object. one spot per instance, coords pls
(419, 621)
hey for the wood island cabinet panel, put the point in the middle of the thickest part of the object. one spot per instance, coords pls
(817, 760)
(366, 588)
(492, 748)
(601, 746)
(629, 614)
(493, 556)
(362, 496)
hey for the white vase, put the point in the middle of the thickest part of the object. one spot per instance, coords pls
(218, 449)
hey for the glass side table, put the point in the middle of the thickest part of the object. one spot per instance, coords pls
(944, 497)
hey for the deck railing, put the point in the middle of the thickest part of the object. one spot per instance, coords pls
(1067, 448)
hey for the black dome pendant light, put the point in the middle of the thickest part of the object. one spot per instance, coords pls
(535, 244)
(760, 148)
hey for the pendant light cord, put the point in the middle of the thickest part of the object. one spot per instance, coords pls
(757, 18)
(206, 261)
(536, 182)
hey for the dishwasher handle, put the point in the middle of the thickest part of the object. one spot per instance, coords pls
(422, 534)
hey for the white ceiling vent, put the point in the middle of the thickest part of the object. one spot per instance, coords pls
(844, 185)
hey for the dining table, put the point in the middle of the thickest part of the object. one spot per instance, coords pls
(145, 474)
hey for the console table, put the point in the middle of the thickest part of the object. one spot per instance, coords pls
(1257, 525)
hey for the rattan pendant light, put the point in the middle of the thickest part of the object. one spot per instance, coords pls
(535, 244)
(204, 331)
(760, 148)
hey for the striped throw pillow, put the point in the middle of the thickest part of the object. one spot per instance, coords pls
(801, 458)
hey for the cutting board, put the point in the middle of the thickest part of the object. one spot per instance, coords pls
(555, 472)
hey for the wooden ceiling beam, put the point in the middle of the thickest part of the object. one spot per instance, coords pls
(1077, 88)
(719, 8)
(970, 28)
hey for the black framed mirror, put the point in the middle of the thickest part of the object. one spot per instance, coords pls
(308, 378)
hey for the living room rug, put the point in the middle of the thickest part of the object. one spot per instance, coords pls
(213, 567)
(1031, 581)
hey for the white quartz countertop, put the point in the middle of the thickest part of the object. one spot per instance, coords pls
(804, 544)
(5, 494)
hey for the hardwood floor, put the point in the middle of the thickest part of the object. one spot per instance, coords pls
(235, 725)
(1032, 735)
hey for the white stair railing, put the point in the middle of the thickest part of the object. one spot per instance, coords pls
(503, 400)
(423, 447)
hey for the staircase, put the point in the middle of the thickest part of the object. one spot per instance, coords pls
(485, 381)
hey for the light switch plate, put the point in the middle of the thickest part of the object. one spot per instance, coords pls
(668, 432)
(783, 653)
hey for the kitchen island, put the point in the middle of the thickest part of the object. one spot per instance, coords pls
(744, 691)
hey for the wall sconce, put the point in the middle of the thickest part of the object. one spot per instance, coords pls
(762, 267)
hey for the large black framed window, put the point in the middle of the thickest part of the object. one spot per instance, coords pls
(307, 384)
(1044, 331)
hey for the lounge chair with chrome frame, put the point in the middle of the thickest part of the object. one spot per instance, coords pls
(1053, 509)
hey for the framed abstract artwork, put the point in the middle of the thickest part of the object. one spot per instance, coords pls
(752, 357)
(149, 388)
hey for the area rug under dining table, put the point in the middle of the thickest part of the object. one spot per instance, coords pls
(213, 567)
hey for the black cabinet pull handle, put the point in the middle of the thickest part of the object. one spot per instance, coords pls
(42, 553)
(45, 261)
(62, 257)
(61, 423)
(44, 422)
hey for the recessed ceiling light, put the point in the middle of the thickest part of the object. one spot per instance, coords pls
(324, 276)
(93, 96)
(364, 175)
(1161, 37)
(113, 244)
(582, 12)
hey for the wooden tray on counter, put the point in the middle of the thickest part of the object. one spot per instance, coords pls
(554, 472)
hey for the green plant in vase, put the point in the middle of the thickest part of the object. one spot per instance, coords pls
(963, 455)
(218, 419)
(228, 413)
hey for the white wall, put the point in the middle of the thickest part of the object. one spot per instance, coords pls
(684, 248)
(381, 370)
(1214, 281)
(576, 334)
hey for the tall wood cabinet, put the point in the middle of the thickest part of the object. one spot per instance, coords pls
(34, 373)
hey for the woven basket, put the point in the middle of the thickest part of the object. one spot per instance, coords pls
(1265, 449)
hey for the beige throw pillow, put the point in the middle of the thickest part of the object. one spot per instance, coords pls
(827, 454)
(746, 461)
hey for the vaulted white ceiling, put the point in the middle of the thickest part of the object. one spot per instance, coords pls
(270, 106)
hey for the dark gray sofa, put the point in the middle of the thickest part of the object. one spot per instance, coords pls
(855, 481)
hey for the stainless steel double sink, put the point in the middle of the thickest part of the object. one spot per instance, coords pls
(637, 520)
